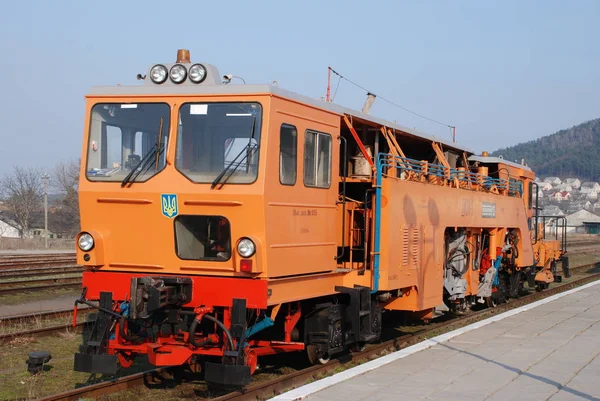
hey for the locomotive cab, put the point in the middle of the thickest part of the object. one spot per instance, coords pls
(201, 203)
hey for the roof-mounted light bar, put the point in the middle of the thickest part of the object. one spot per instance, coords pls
(182, 72)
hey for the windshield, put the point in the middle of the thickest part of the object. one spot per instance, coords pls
(213, 137)
(121, 135)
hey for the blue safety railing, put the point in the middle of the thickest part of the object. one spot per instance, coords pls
(407, 165)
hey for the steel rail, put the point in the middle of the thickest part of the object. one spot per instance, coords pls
(40, 271)
(17, 290)
(54, 314)
(38, 263)
(44, 331)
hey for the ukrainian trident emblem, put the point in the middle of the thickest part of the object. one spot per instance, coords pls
(169, 205)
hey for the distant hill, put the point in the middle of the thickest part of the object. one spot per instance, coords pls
(570, 152)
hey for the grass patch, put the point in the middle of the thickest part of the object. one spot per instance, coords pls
(58, 375)
(38, 322)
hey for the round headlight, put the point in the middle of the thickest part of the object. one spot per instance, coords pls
(85, 242)
(178, 73)
(246, 247)
(197, 73)
(158, 74)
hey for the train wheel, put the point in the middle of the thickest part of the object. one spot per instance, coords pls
(541, 286)
(315, 357)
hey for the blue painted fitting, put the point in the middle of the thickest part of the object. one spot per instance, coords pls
(497, 264)
(124, 308)
(263, 324)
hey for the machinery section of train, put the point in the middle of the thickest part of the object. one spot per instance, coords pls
(222, 223)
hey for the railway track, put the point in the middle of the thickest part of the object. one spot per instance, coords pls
(268, 388)
(16, 287)
(38, 319)
(39, 260)
(20, 274)
(39, 271)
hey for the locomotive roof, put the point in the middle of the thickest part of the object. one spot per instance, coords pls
(248, 89)
(491, 159)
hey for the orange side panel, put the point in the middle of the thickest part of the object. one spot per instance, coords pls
(414, 218)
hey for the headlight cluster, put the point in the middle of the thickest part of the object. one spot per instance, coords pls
(246, 247)
(85, 242)
(178, 73)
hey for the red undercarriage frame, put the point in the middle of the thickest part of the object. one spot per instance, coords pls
(207, 293)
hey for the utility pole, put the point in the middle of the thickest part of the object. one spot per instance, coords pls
(46, 177)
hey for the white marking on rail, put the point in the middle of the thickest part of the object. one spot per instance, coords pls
(302, 392)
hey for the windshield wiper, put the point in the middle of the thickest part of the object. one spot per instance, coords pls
(146, 161)
(247, 149)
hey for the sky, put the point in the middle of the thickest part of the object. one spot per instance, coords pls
(502, 72)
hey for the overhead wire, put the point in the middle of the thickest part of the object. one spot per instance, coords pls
(387, 100)
(336, 88)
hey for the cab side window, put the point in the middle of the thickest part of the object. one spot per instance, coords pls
(288, 150)
(317, 159)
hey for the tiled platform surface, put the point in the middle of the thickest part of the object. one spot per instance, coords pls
(550, 352)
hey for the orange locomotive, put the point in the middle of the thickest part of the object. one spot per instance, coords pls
(223, 222)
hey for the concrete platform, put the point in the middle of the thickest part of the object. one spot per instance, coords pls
(548, 350)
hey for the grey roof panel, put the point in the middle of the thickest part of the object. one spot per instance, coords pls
(489, 159)
(236, 89)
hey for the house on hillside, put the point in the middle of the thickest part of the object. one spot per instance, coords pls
(41, 233)
(552, 211)
(589, 187)
(561, 196)
(577, 222)
(563, 187)
(545, 186)
(573, 182)
(553, 180)
(8, 229)
(578, 205)
(540, 195)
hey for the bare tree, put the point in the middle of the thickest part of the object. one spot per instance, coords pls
(66, 182)
(66, 177)
(22, 191)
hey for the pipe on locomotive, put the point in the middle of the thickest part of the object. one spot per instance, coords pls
(379, 170)
(194, 325)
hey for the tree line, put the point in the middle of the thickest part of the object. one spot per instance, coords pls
(22, 196)
(570, 152)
